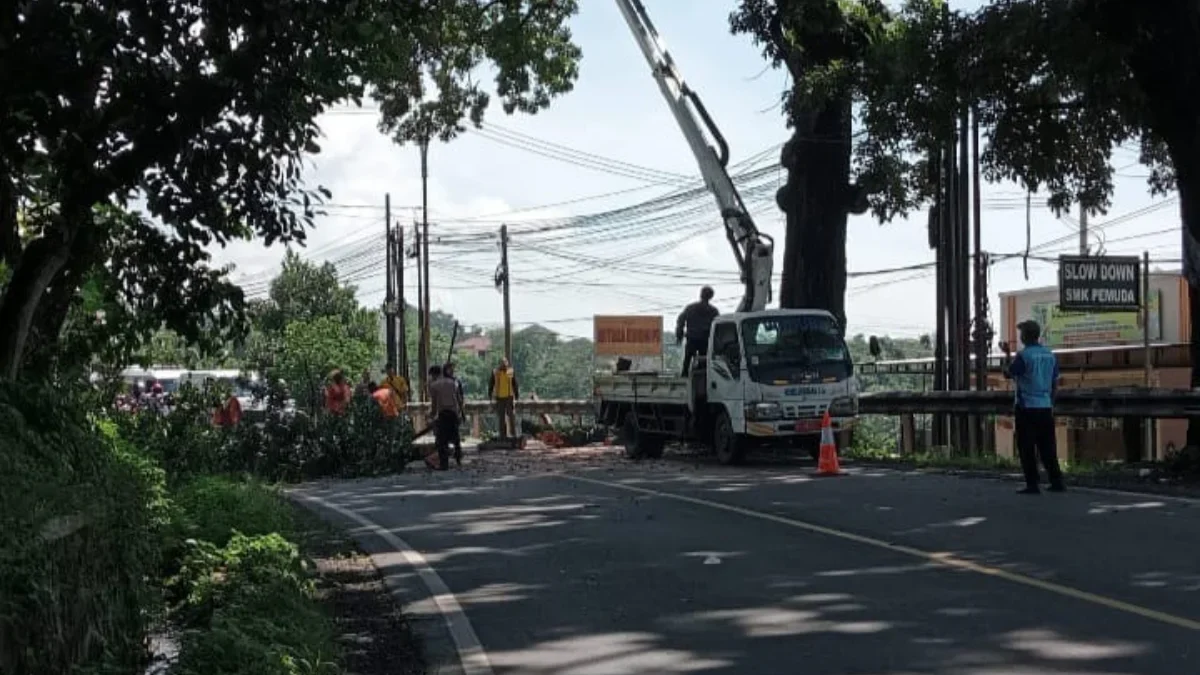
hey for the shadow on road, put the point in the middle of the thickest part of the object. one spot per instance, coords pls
(559, 577)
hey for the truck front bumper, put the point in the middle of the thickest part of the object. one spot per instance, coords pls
(799, 427)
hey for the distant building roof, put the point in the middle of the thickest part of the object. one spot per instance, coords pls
(475, 343)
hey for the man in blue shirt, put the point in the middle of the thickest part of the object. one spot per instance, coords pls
(1034, 373)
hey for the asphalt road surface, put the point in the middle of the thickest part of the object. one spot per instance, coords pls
(579, 563)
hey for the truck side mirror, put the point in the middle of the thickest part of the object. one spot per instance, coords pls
(874, 347)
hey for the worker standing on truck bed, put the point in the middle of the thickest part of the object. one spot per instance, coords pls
(698, 318)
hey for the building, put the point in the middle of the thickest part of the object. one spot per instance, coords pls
(479, 345)
(1105, 349)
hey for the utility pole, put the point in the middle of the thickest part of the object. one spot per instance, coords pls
(389, 300)
(504, 290)
(425, 244)
(963, 275)
(1147, 358)
(939, 349)
(982, 334)
(422, 366)
(401, 311)
(1083, 229)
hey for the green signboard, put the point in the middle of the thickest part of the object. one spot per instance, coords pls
(1090, 329)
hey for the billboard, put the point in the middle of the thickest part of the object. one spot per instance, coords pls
(1100, 283)
(1062, 328)
(628, 335)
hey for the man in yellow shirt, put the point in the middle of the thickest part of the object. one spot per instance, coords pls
(397, 384)
(502, 388)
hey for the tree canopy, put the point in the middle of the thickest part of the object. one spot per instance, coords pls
(205, 111)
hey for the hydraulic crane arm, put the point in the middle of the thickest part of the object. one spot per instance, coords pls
(754, 250)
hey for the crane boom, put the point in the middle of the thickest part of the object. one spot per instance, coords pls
(754, 251)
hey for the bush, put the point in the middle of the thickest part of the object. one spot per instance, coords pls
(249, 610)
(243, 594)
(80, 523)
(212, 509)
(278, 445)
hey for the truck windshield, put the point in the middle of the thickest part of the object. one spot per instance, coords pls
(796, 349)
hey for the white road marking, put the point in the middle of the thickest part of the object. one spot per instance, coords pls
(471, 655)
(940, 558)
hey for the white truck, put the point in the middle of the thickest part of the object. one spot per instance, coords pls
(768, 376)
(767, 379)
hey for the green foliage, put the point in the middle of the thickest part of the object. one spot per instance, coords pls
(81, 516)
(243, 594)
(286, 446)
(212, 127)
(877, 435)
(212, 508)
(1057, 85)
(311, 349)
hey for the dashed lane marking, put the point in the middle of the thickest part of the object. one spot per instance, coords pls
(944, 559)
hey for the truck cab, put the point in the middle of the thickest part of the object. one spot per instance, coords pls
(767, 379)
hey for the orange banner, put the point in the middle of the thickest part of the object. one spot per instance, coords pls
(628, 335)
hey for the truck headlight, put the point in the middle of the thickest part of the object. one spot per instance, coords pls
(763, 411)
(844, 406)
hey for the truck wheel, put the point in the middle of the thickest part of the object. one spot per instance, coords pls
(639, 444)
(725, 442)
(629, 436)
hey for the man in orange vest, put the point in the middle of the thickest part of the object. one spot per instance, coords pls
(388, 400)
(502, 388)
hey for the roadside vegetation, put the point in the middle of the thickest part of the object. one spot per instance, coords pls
(133, 141)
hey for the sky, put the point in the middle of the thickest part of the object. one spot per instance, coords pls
(557, 178)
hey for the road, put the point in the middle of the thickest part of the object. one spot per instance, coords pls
(582, 563)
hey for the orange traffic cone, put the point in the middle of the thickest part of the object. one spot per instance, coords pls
(827, 465)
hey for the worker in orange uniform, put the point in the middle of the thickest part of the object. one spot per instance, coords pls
(388, 400)
(337, 393)
(398, 384)
(502, 388)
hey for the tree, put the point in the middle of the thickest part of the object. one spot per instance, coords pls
(306, 294)
(126, 297)
(804, 36)
(206, 110)
(312, 348)
(1056, 85)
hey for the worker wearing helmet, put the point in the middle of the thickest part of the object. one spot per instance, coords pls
(693, 324)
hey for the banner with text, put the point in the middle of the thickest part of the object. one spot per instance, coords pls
(1099, 283)
(1090, 329)
(628, 335)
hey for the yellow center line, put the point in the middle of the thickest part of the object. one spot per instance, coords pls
(947, 560)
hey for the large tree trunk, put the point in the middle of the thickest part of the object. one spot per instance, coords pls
(1187, 168)
(817, 200)
(37, 267)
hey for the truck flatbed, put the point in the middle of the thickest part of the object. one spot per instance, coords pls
(643, 387)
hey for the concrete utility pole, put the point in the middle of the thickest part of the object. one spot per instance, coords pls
(425, 340)
(422, 355)
(504, 290)
(401, 312)
(1083, 230)
(389, 300)
(982, 335)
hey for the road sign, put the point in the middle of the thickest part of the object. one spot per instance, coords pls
(1099, 283)
(628, 335)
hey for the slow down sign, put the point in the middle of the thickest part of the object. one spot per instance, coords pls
(1099, 284)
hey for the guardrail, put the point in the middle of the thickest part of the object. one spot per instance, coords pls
(1098, 402)
(1091, 402)
(527, 407)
